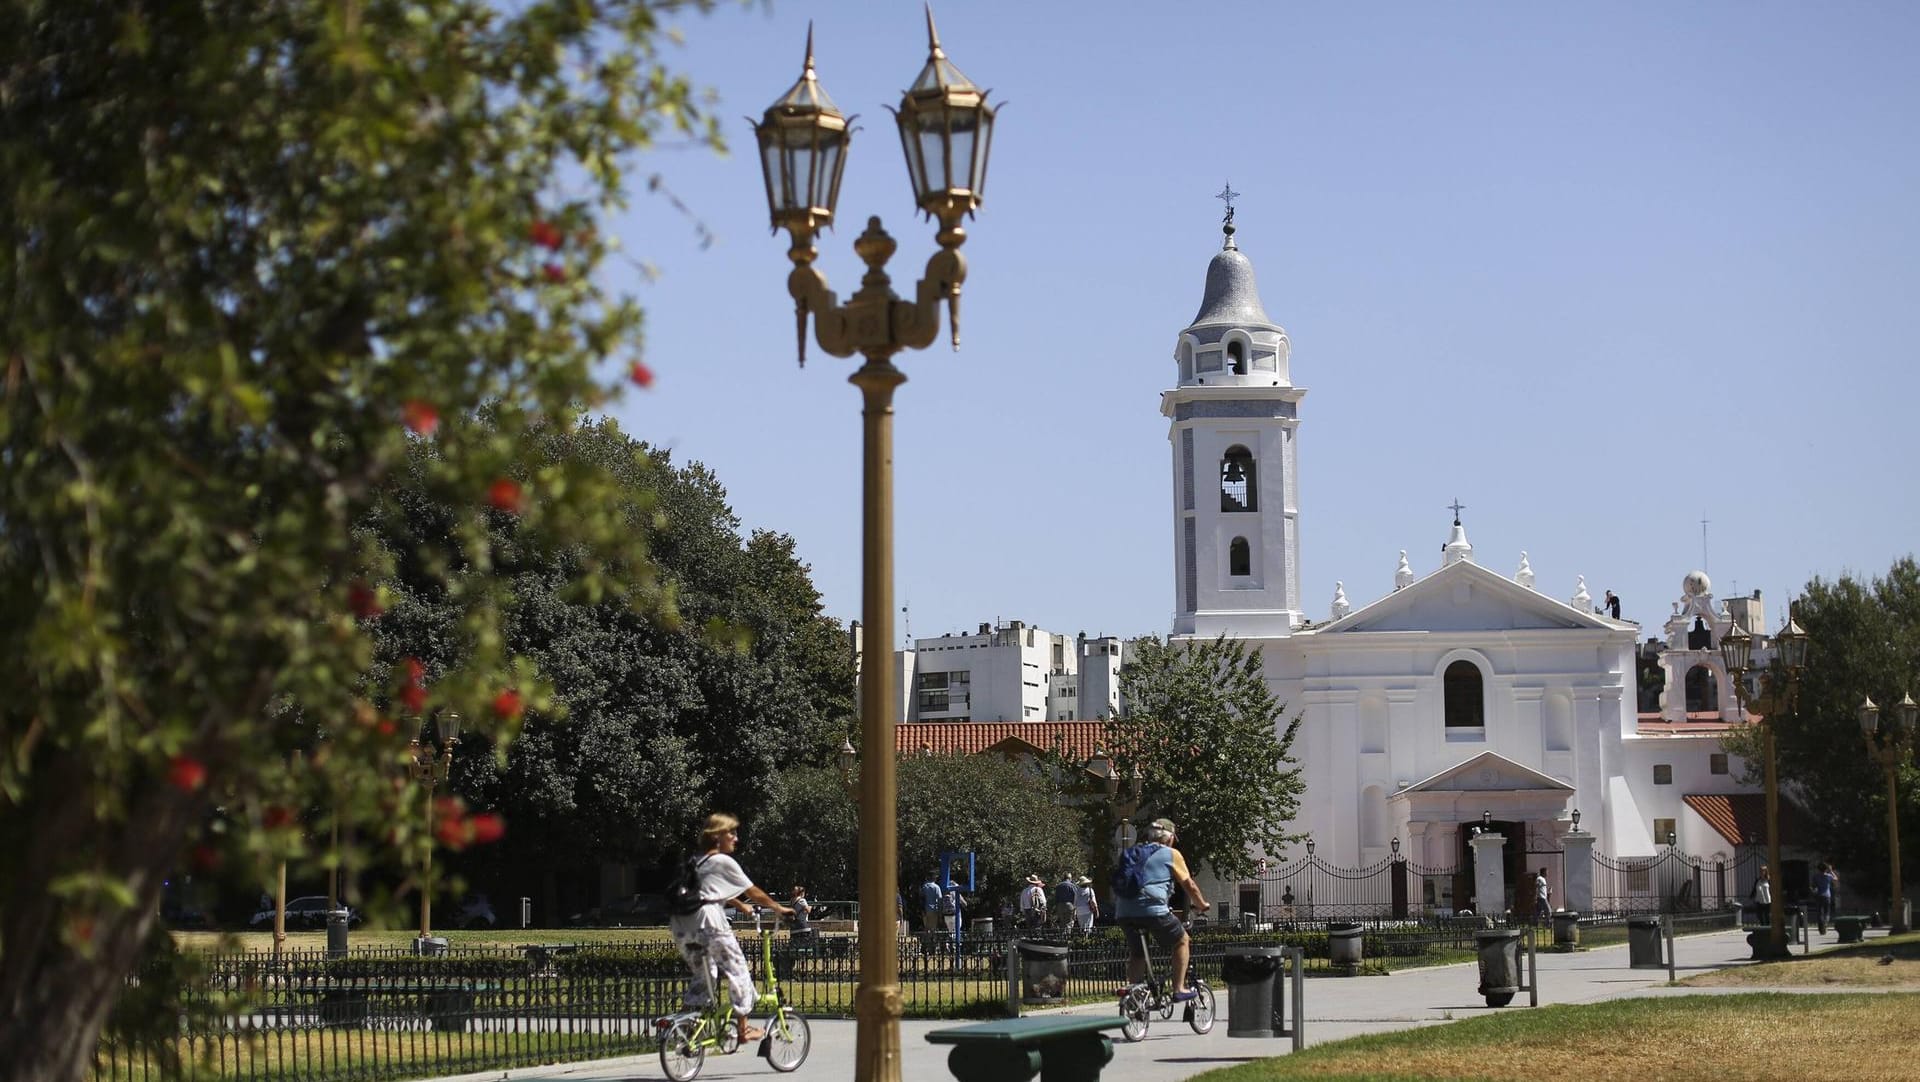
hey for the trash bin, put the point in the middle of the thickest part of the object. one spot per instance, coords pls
(1343, 945)
(1499, 950)
(1566, 929)
(1255, 994)
(429, 945)
(1645, 948)
(1043, 972)
(981, 928)
(1249, 921)
(337, 921)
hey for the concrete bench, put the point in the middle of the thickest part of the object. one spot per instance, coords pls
(1058, 1048)
(1850, 929)
(445, 1007)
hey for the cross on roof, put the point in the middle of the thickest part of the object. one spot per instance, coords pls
(1457, 507)
(1227, 195)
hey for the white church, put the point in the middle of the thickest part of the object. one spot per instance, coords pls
(1461, 696)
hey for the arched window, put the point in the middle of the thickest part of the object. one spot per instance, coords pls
(1703, 691)
(1237, 483)
(1239, 558)
(1237, 357)
(1466, 702)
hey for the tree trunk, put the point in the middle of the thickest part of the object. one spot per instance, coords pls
(54, 998)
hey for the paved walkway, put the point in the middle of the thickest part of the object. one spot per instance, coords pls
(1335, 1008)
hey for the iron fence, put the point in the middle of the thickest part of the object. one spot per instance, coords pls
(1671, 882)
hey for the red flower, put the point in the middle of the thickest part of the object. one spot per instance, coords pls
(453, 833)
(385, 727)
(421, 417)
(507, 704)
(449, 807)
(414, 669)
(554, 272)
(488, 827)
(546, 235)
(186, 773)
(205, 858)
(276, 817)
(364, 600)
(505, 494)
(640, 374)
(413, 697)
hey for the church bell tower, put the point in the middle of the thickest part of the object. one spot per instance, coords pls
(1233, 416)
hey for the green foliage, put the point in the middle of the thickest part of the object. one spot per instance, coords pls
(653, 722)
(1865, 641)
(249, 246)
(1006, 811)
(805, 835)
(1214, 745)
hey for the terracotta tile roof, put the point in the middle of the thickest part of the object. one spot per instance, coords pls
(1740, 816)
(1078, 738)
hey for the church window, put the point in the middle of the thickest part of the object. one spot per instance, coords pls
(1239, 558)
(1663, 774)
(1466, 702)
(1237, 357)
(1237, 482)
(1703, 691)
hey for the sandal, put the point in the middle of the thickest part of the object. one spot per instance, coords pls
(752, 1034)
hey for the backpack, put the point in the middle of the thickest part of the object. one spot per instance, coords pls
(1129, 879)
(683, 892)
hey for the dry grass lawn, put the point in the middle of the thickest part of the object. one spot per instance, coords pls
(1858, 966)
(1758, 1037)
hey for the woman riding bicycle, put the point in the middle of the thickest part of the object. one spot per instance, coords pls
(704, 937)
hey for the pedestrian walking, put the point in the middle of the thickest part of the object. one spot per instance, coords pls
(1086, 905)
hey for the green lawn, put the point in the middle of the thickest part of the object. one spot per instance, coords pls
(1758, 1037)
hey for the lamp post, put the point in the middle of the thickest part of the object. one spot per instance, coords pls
(1889, 746)
(1781, 682)
(430, 759)
(946, 129)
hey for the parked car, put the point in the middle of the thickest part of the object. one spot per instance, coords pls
(309, 913)
(634, 910)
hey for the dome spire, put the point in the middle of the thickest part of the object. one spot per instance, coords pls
(1227, 195)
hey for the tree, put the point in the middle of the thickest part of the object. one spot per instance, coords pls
(1865, 641)
(663, 720)
(1005, 811)
(1213, 744)
(255, 252)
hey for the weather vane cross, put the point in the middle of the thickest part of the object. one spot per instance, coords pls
(1227, 195)
(1457, 507)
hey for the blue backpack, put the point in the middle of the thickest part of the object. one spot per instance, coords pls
(1129, 879)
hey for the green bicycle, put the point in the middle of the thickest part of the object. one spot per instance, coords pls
(687, 1037)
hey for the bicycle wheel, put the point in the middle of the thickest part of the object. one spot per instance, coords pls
(1133, 1008)
(681, 1050)
(1164, 1000)
(789, 1039)
(1200, 1008)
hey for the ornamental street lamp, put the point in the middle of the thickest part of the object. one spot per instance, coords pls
(1780, 682)
(1889, 745)
(946, 131)
(430, 759)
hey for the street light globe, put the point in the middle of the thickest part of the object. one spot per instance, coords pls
(946, 132)
(1790, 645)
(1869, 716)
(803, 141)
(1736, 650)
(1905, 713)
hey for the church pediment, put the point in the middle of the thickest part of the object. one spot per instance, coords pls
(1488, 771)
(1465, 597)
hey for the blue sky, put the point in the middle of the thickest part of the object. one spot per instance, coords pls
(1598, 271)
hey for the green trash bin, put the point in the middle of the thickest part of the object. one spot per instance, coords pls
(1499, 950)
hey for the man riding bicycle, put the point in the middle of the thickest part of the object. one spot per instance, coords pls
(1147, 913)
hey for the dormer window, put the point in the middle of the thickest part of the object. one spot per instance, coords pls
(1237, 482)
